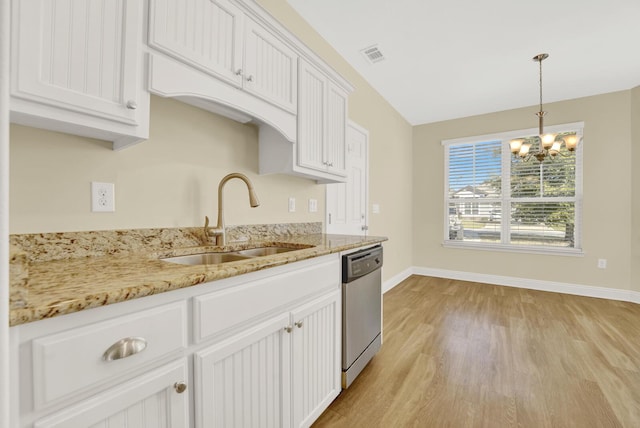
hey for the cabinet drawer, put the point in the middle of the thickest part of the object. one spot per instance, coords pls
(217, 312)
(70, 361)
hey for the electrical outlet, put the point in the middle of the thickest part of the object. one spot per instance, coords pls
(292, 204)
(602, 263)
(102, 197)
(375, 208)
(313, 205)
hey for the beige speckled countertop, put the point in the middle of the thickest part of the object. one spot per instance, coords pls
(57, 287)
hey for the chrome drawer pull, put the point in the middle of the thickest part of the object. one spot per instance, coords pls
(124, 348)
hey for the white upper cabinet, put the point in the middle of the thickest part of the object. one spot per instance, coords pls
(77, 68)
(205, 34)
(322, 119)
(218, 38)
(311, 118)
(320, 151)
(85, 67)
(336, 130)
(270, 67)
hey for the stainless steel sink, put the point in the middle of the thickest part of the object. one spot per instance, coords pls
(265, 251)
(206, 258)
(234, 256)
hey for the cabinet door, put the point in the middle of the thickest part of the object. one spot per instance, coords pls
(270, 67)
(206, 34)
(148, 401)
(336, 129)
(311, 117)
(245, 380)
(78, 55)
(316, 357)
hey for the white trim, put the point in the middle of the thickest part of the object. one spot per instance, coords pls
(5, 380)
(534, 284)
(396, 279)
(507, 248)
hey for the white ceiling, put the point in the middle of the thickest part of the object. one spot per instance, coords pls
(455, 58)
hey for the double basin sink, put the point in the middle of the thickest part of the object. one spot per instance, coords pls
(215, 258)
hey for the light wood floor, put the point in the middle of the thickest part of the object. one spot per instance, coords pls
(463, 354)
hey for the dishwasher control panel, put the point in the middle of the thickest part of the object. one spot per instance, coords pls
(361, 263)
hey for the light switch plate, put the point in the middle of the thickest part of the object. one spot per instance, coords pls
(313, 205)
(292, 204)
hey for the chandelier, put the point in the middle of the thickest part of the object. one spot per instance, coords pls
(550, 145)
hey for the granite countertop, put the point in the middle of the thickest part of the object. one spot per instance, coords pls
(63, 286)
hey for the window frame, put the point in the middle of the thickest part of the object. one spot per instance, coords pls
(506, 200)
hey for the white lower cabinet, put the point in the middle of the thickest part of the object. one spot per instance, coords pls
(153, 400)
(316, 357)
(245, 380)
(261, 349)
(282, 372)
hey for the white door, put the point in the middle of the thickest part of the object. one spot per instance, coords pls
(244, 381)
(152, 400)
(347, 202)
(316, 357)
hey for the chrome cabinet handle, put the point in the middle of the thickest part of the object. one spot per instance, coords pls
(132, 105)
(288, 329)
(299, 324)
(238, 72)
(124, 348)
(250, 78)
(180, 387)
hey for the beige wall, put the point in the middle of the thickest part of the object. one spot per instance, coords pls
(607, 194)
(635, 184)
(171, 179)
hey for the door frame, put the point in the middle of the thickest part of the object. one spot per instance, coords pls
(5, 381)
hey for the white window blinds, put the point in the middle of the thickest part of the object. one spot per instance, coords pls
(495, 199)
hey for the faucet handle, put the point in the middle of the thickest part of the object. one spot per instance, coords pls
(206, 227)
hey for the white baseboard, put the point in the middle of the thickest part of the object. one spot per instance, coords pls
(396, 279)
(532, 284)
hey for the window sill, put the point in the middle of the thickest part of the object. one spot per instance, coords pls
(572, 252)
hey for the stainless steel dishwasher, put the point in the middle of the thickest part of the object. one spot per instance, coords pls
(361, 310)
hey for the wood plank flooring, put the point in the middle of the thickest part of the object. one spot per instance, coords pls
(464, 354)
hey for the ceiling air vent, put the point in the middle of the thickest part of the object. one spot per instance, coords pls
(372, 54)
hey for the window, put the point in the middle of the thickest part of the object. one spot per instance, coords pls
(493, 200)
